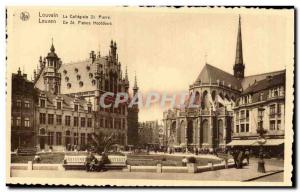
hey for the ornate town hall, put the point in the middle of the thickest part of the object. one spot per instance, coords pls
(219, 94)
(68, 110)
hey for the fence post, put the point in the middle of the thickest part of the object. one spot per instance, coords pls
(158, 168)
(29, 166)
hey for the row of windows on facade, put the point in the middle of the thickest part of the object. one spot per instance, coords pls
(59, 105)
(274, 125)
(275, 109)
(17, 121)
(108, 123)
(26, 104)
(67, 120)
(275, 92)
(84, 138)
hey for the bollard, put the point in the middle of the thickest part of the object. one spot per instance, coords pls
(226, 163)
(30, 165)
(158, 168)
(129, 168)
(61, 167)
(191, 167)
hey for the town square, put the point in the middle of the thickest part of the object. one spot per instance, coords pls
(203, 99)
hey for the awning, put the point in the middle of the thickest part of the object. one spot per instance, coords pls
(247, 142)
(271, 142)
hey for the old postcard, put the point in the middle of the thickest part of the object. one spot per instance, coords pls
(161, 96)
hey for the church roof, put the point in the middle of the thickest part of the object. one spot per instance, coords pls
(211, 74)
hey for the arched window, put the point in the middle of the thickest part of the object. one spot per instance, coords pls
(213, 95)
(67, 79)
(173, 128)
(91, 75)
(80, 83)
(221, 131)
(204, 131)
(190, 132)
(78, 77)
(197, 98)
(205, 101)
(69, 85)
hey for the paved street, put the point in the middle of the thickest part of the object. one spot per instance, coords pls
(248, 172)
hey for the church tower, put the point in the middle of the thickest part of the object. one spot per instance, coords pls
(239, 66)
(52, 78)
(133, 119)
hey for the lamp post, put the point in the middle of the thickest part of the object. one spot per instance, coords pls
(261, 141)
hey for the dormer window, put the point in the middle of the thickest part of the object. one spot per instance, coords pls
(76, 70)
(78, 77)
(42, 103)
(261, 96)
(58, 105)
(75, 107)
(80, 83)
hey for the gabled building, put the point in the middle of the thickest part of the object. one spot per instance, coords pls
(71, 95)
(23, 101)
(261, 105)
(218, 93)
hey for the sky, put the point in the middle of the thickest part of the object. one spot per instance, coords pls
(166, 48)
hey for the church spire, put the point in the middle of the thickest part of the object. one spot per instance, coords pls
(135, 87)
(126, 74)
(239, 66)
(239, 45)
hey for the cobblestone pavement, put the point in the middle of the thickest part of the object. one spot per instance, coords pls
(232, 174)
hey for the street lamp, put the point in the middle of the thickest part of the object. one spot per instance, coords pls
(261, 141)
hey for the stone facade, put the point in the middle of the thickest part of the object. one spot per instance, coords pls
(149, 133)
(71, 94)
(22, 112)
(219, 95)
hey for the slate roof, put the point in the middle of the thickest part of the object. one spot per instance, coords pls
(268, 82)
(79, 75)
(250, 80)
(212, 74)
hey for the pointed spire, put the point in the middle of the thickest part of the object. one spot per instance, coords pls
(126, 74)
(135, 82)
(239, 45)
(52, 49)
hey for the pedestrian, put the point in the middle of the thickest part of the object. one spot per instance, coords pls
(247, 156)
(88, 161)
(235, 157)
(184, 161)
(240, 159)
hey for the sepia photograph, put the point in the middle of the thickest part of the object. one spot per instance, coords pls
(140, 96)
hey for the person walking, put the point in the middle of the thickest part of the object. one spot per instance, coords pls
(247, 156)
